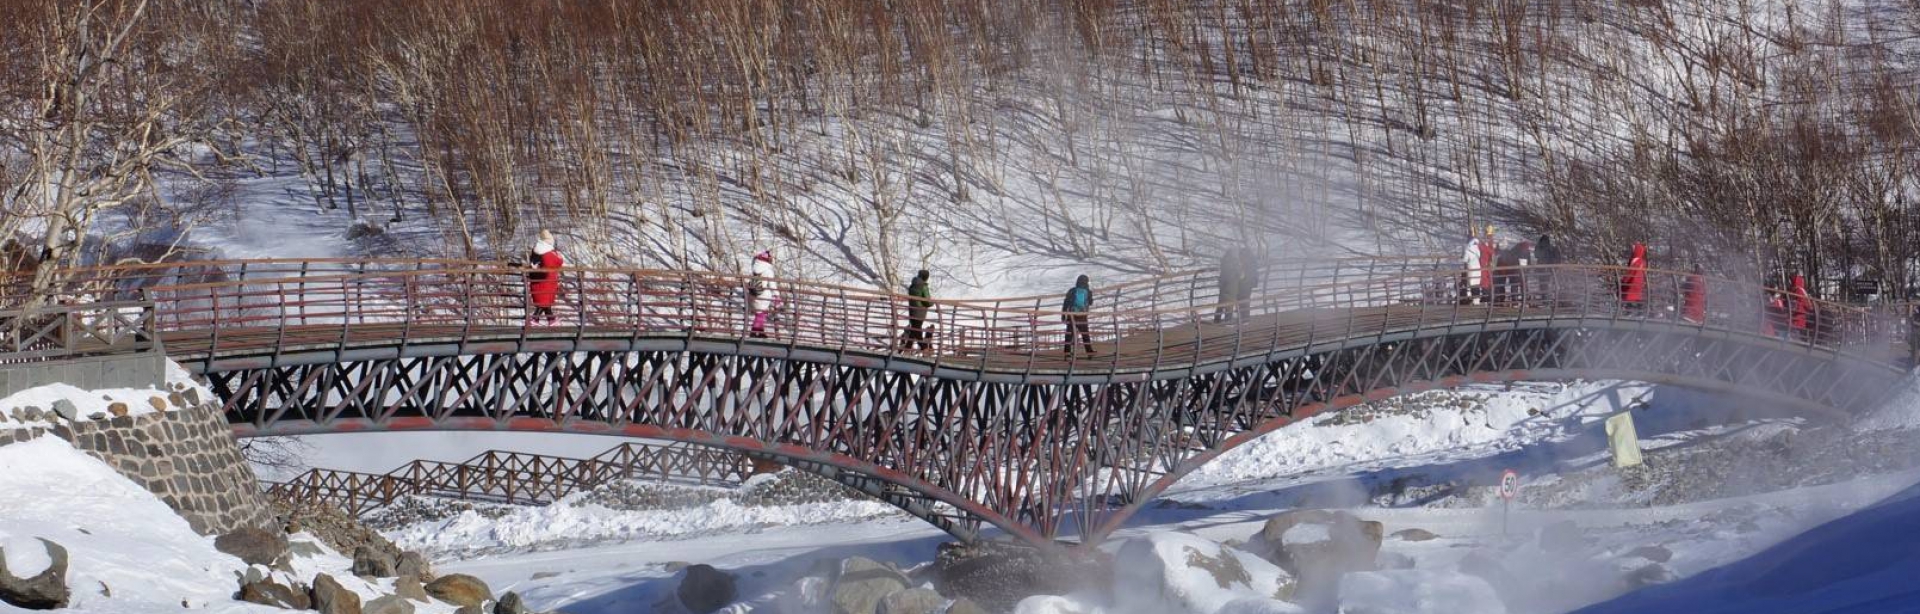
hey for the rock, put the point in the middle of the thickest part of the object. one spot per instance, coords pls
(65, 409)
(30, 414)
(255, 546)
(158, 404)
(390, 604)
(1394, 560)
(409, 586)
(510, 603)
(97, 416)
(704, 589)
(675, 566)
(1181, 572)
(371, 563)
(912, 601)
(996, 576)
(46, 589)
(1317, 547)
(265, 591)
(175, 399)
(411, 563)
(331, 598)
(1417, 592)
(542, 575)
(460, 589)
(193, 396)
(1648, 575)
(1657, 554)
(1414, 535)
(470, 609)
(861, 585)
(964, 605)
(1562, 537)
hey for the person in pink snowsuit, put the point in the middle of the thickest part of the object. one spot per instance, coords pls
(762, 297)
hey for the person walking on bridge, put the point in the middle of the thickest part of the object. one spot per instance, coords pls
(1509, 282)
(919, 302)
(1249, 280)
(1079, 300)
(1633, 281)
(1470, 282)
(1693, 297)
(1489, 256)
(1804, 315)
(1230, 278)
(543, 278)
(762, 298)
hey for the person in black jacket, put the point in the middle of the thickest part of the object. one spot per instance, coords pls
(1079, 300)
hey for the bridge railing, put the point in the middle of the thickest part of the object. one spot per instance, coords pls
(70, 330)
(248, 306)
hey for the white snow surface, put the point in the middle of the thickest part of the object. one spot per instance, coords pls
(26, 557)
(1306, 533)
(570, 522)
(89, 403)
(1417, 591)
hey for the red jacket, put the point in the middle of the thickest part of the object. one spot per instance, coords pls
(1802, 303)
(1633, 285)
(1487, 252)
(543, 286)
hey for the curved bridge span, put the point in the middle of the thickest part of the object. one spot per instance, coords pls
(992, 424)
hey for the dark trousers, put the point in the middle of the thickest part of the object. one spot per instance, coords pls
(916, 334)
(1077, 326)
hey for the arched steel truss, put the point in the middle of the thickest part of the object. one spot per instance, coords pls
(1039, 456)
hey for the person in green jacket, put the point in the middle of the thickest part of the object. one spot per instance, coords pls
(917, 312)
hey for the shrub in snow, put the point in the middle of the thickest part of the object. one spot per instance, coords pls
(1180, 572)
(1414, 591)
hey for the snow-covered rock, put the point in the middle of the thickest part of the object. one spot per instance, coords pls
(1181, 572)
(1055, 604)
(1415, 591)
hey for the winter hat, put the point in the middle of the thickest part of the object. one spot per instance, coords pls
(764, 256)
(545, 244)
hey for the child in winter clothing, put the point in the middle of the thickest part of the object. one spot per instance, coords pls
(762, 298)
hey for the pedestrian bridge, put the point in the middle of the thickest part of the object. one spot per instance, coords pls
(994, 425)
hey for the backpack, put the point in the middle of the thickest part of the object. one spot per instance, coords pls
(1077, 299)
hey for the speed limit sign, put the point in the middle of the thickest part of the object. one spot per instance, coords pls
(1509, 484)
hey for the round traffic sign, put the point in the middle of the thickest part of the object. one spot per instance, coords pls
(1509, 484)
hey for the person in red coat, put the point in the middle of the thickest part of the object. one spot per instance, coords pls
(1693, 297)
(1633, 283)
(1489, 252)
(1803, 309)
(543, 281)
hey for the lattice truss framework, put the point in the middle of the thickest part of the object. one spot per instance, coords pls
(1040, 460)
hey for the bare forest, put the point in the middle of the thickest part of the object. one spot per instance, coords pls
(865, 139)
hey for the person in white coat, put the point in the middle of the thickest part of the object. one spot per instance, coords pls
(1471, 282)
(762, 297)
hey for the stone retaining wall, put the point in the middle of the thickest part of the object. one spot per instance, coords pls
(185, 455)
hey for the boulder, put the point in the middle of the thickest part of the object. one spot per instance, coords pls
(1414, 535)
(409, 586)
(861, 585)
(1657, 554)
(704, 589)
(964, 605)
(1318, 546)
(510, 603)
(1181, 572)
(118, 409)
(369, 562)
(912, 601)
(65, 409)
(1647, 575)
(460, 590)
(411, 563)
(390, 604)
(331, 598)
(1417, 592)
(157, 403)
(253, 545)
(470, 609)
(998, 575)
(265, 591)
(45, 588)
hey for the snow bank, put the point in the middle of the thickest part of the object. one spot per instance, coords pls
(1414, 591)
(568, 523)
(1472, 423)
(1167, 572)
(1900, 411)
(88, 403)
(118, 536)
